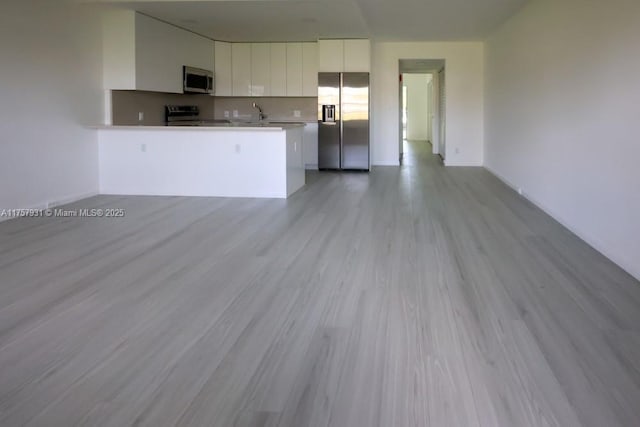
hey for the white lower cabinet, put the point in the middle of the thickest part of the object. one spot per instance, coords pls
(310, 146)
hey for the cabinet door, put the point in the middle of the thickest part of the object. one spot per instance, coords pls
(357, 57)
(309, 69)
(310, 146)
(278, 69)
(331, 55)
(294, 69)
(119, 49)
(157, 69)
(260, 69)
(241, 69)
(222, 77)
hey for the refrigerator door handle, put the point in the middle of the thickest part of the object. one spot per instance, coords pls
(341, 133)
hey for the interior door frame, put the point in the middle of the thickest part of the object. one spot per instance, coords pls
(442, 113)
(400, 135)
(434, 67)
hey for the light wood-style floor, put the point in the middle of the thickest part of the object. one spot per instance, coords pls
(413, 296)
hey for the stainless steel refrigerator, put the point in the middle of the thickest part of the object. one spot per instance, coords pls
(343, 121)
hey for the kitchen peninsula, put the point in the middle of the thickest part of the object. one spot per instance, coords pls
(218, 160)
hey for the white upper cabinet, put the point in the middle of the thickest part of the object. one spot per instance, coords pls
(302, 69)
(137, 55)
(331, 55)
(344, 55)
(309, 69)
(278, 69)
(223, 74)
(357, 55)
(119, 50)
(142, 53)
(241, 68)
(157, 67)
(294, 69)
(260, 69)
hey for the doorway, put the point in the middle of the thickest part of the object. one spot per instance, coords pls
(416, 103)
(422, 107)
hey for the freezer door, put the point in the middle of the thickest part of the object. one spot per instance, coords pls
(355, 121)
(329, 120)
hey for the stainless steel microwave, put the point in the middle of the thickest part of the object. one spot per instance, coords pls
(197, 80)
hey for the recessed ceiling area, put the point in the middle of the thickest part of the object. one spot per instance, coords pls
(309, 20)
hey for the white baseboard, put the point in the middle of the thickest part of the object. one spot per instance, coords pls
(385, 163)
(621, 261)
(72, 199)
(58, 202)
(449, 163)
(311, 167)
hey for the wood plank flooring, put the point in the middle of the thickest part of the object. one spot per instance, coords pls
(412, 296)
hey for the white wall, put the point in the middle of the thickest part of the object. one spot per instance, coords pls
(563, 110)
(465, 104)
(417, 106)
(51, 81)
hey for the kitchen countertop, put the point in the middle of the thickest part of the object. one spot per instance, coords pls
(267, 126)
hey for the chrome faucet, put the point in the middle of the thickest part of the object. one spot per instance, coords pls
(261, 115)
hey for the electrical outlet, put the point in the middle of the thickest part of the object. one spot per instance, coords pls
(226, 114)
(143, 148)
(235, 113)
(457, 150)
(141, 116)
(237, 148)
(296, 113)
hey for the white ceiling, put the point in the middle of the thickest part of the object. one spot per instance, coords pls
(309, 20)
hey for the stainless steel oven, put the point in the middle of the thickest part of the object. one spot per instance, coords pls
(197, 80)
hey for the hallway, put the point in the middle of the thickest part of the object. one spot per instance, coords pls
(411, 296)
